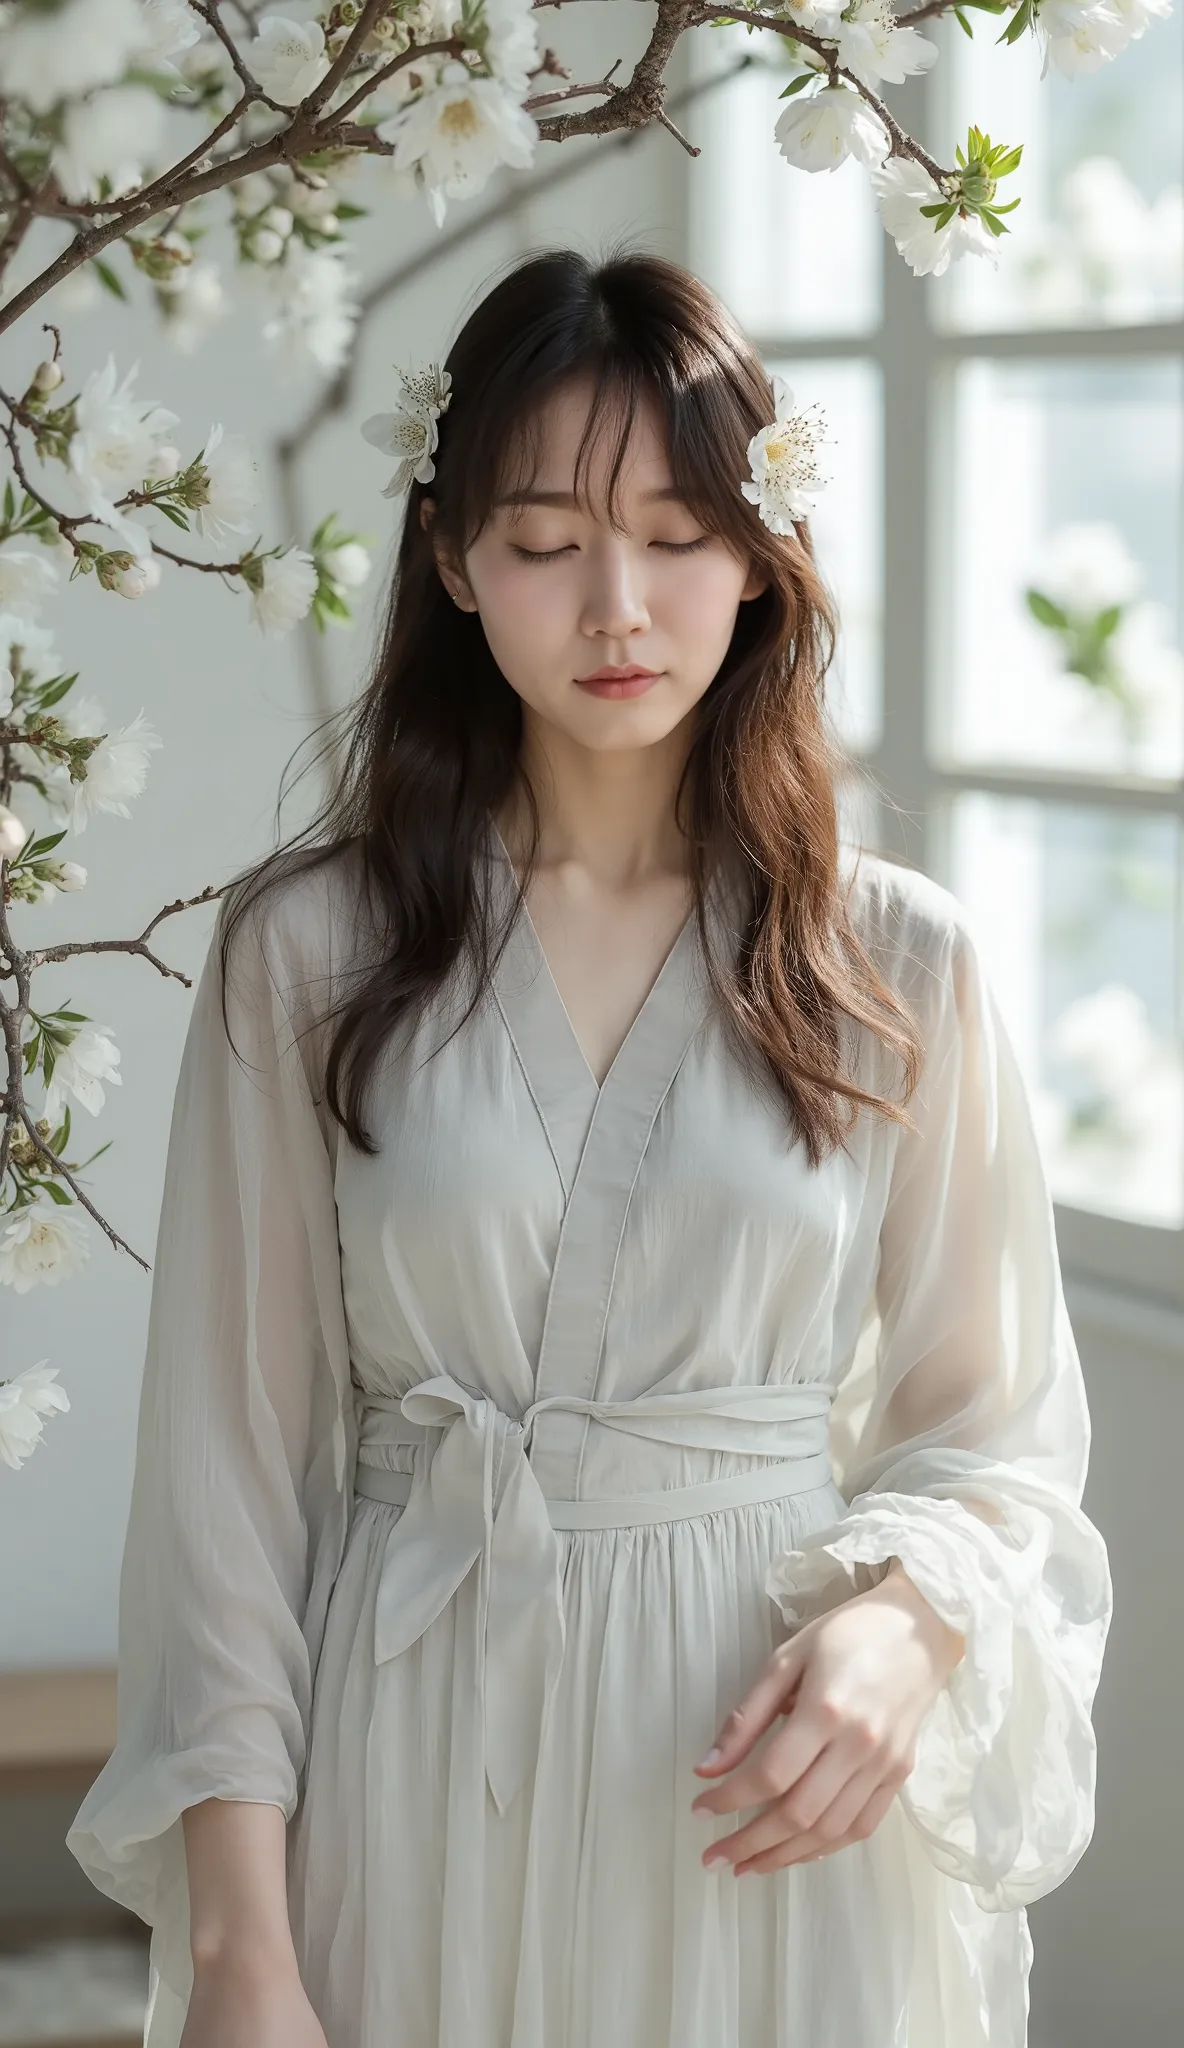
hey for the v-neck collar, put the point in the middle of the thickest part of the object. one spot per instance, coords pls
(558, 1006)
(570, 1102)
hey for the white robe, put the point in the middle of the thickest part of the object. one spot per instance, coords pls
(632, 1392)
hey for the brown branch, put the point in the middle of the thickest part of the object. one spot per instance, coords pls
(206, 568)
(252, 90)
(54, 955)
(311, 105)
(62, 1171)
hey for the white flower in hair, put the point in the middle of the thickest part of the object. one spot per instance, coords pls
(410, 433)
(785, 475)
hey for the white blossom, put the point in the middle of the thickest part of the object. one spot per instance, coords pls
(193, 300)
(81, 1068)
(114, 135)
(872, 47)
(13, 833)
(458, 132)
(902, 187)
(287, 590)
(232, 486)
(315, 314)
(41, 1244)
(410, 433)
(287, 58)
(819, 130)
(136, 578)
(1085, 567)
(785, 475)
(27, 577)
(1077, 36)
(52, 54)
(116, 770)
(1136, 16)
(112, 450)
(168, 27)
(820, 16)
(25, 1401)
(512, 43)
(347, 565)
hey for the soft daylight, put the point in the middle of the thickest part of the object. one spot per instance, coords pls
(591, 1022)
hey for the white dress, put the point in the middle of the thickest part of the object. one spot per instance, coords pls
(476, 1481)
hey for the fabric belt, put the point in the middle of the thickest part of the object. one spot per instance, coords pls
(473, 1496)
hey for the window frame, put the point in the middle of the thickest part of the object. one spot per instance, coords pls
(913, 783)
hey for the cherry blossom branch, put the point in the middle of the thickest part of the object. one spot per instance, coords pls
(18, 964)
(52, 955)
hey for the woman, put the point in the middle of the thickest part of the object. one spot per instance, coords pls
(609, 1394)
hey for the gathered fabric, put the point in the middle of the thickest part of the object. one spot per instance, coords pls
(476, 1498)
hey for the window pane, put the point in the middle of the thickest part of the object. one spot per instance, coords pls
(1099, 234)
(1078, 913)
(846, 528)
(790, 251)
(1070, 475)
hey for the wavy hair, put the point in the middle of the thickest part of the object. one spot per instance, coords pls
(432, 743)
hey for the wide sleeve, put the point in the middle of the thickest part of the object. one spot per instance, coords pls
(969, 1457)
(245, 1437)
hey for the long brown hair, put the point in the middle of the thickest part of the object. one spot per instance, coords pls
(432, 745)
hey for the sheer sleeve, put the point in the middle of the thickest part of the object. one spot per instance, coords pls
(245, 1437)
(968, 1458)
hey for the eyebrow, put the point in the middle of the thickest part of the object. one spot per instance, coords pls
(567, 499)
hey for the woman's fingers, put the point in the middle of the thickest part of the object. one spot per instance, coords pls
(823, 1839)
(757, 1711)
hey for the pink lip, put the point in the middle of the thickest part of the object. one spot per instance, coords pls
(619, 682)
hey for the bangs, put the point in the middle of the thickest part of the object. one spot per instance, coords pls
(701, 419)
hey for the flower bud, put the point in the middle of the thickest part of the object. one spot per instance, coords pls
(67, 875)
(46, 377)
(127, 575)
(266, 246)
(348, 565)
(12, 834)
(278, 219)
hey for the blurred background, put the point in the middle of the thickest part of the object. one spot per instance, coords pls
(1009, 452)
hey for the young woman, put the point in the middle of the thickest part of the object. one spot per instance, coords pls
(609, 1395)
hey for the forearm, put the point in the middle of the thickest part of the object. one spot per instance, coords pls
(235, 1853)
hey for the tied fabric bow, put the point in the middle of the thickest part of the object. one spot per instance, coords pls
(477, 1498)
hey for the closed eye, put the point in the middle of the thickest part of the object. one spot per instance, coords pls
(673, 547)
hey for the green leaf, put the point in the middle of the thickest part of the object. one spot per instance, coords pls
(53, 691)
(174, 513)
(108, 278)
(9, 501)
(57, 1193)
(960, 18)
(1020, 20)
(45, 845)
(346, 210)
(1108, 621)
(1045, 611)
(796, 84)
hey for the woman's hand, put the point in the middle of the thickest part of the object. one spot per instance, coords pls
(250, 1999)
(855, 1685)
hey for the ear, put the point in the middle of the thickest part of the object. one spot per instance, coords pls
(453, 579)
(756, 584)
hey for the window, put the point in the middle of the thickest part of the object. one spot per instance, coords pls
(1004, 537)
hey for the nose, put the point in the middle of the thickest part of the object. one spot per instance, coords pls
(615, 602)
